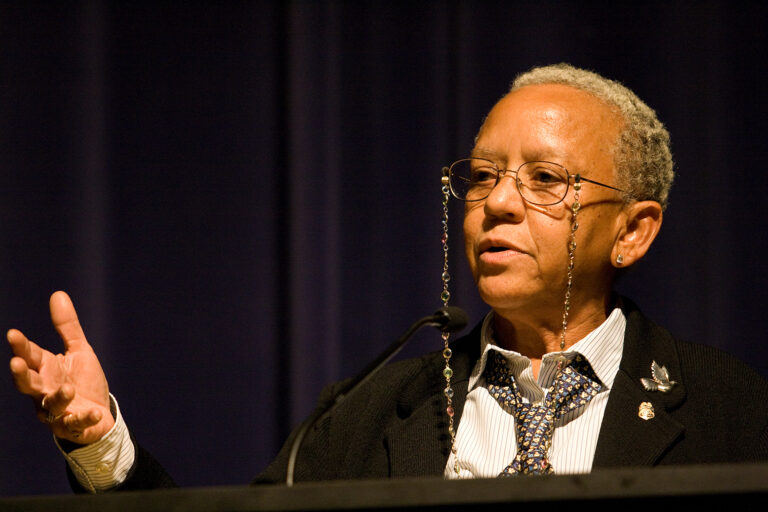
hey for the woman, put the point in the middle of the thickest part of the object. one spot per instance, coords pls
(565, 187)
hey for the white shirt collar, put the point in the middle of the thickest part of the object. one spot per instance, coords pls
(601, 347)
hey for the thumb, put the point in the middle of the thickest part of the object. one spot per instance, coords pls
(65, 321)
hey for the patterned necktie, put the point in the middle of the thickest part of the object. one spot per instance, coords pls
(573, 387)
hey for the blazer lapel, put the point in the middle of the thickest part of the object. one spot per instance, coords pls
(419, 443)
(626, 438)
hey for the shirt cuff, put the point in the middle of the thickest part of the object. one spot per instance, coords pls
(104, 464)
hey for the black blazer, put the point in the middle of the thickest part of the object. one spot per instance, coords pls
(396, 426)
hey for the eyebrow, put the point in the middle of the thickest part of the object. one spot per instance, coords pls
(480, 152)
(542, 153)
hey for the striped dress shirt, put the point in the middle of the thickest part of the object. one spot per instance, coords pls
(486, 438)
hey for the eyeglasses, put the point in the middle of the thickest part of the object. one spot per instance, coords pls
(539, 183)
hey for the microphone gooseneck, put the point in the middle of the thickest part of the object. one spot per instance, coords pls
(446, 319)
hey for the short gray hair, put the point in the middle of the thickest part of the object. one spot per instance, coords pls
(642, 154)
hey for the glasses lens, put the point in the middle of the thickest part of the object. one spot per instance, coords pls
(542, 183)
(472, 179)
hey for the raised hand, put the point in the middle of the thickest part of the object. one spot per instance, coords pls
(69, 390)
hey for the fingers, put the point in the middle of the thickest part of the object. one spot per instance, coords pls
(81, 421)
(27, 381)
(48, 417)
(30, 352)
(57, 402)
(24, 366)
(53, 406)
(27, 365)
(64, 318)
(78, 427)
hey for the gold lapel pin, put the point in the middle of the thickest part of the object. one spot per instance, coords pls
(645, 411)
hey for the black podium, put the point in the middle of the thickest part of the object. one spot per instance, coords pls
(678, 486)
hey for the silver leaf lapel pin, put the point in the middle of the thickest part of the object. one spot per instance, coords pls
(660, 382)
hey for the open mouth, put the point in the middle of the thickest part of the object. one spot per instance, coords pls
(497, 248)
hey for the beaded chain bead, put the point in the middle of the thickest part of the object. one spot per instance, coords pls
(575, 207)
(445, 297)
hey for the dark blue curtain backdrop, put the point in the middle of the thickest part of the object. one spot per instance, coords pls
(243, 198)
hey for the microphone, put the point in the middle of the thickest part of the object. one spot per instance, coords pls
(450, 319)
(446, 319)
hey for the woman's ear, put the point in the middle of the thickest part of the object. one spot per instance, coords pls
(641, 222)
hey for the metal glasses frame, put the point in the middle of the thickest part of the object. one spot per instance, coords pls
(448, 172)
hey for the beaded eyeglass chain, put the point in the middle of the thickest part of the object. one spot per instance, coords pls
(575, 207)
(445, 296)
